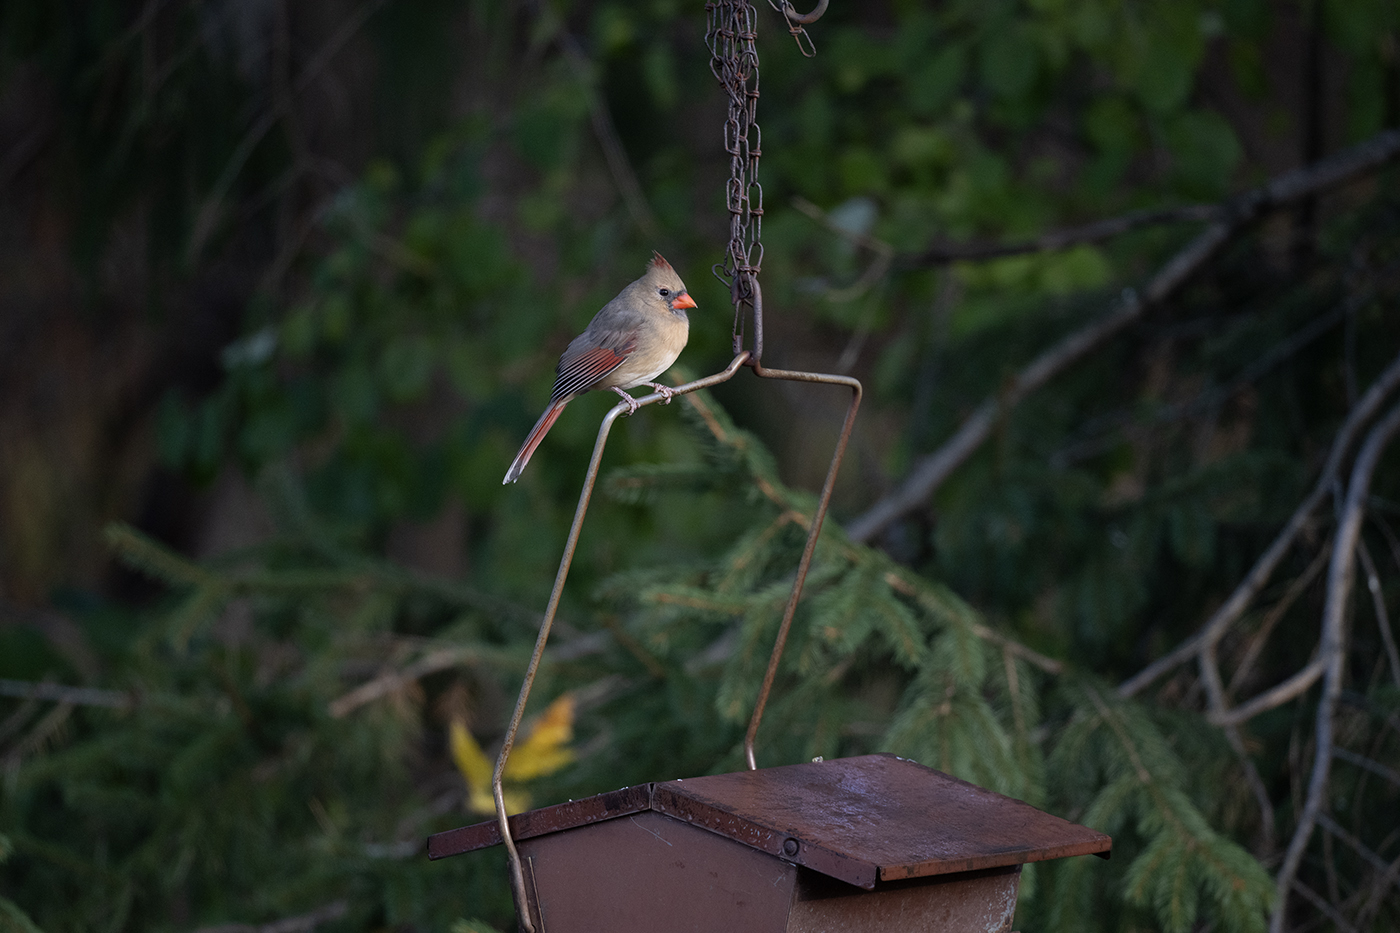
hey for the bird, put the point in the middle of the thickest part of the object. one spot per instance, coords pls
(632, 340)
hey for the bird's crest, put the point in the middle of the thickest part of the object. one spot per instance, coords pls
(658, 261)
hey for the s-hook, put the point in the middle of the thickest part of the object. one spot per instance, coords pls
(806, 19)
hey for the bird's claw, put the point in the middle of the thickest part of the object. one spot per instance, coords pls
(666, 392)
(631, 402)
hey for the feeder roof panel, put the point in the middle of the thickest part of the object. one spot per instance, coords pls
(861, 820)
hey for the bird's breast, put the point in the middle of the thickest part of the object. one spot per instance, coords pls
(658, 345)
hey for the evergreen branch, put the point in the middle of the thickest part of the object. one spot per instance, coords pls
(1185, 852)
(725, 433)
(140, 552)
(1215, 627)
(77, 696)
(65, 635)
(744, 558)
(640, 483)
(1339, 580)
(161, 563)
(633, 646)
(43, 730)
(930, 471)
(695, 598)
(300, 924)
(911, 587)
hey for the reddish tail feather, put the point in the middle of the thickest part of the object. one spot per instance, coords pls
(537, 434)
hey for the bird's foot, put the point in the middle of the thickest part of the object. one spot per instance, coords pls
(666, 392)
(631, 402)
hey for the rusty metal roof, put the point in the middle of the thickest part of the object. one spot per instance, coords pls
(862, 820)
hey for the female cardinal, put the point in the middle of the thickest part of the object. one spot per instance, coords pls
(634, 339)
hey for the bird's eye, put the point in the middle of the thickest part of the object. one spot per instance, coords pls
(665, 292)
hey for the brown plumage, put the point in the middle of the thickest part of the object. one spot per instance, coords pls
(632, 340)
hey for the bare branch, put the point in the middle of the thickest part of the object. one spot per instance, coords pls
(1256, 787)
(1327, 909)
(1274, 697)
(1361, 761)
(1259, 574)
(1105, 428)
(1378, 891)
(1271, 619)
(931, 471)
(941, 254)
(1330, 825)
(1373, 584)
(393, 681)
(1339, 581)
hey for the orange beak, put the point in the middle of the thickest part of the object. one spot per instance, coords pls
(683, 300)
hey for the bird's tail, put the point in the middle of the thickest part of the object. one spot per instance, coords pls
(537, 434)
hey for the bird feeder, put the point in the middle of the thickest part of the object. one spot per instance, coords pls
(854, 844)
(869, 843)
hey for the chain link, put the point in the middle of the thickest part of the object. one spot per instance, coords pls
(794, 23)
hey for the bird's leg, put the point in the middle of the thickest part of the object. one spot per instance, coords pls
(666, 392)
(631, 402)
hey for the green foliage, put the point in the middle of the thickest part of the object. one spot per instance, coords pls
(1142, 796)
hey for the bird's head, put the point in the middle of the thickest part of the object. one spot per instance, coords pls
(662, 286)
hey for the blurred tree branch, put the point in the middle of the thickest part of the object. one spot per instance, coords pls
(1331, 651)
(941, 254)
(930, 471)
(208, 216)
(1214, 628)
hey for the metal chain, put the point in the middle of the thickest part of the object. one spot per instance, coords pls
(730, 31)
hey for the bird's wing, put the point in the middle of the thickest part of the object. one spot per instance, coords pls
(583, 370)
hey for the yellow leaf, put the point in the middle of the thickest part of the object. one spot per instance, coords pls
(468, 756)
(544, 750)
